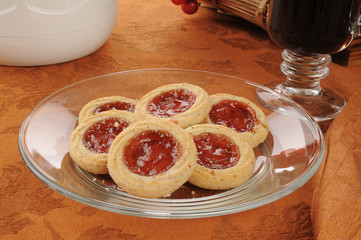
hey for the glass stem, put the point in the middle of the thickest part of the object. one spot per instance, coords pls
(304, 72)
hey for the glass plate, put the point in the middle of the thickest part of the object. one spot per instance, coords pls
(289, 157)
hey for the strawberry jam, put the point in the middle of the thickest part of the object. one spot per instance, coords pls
(171, 103)
(99, 136)
(216, 151)
(151, 152)
(118, 105)
(233, 114)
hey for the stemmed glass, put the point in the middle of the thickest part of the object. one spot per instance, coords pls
(309, 31)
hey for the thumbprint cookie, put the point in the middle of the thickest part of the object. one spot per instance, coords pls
(105, 104)
(224, 160)
(240, 115)
(152, 158)
(183, 104)
(90, 141)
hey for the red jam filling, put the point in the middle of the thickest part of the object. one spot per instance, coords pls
(100, 136)
(118, 105)
(216, 151)
(233, 114)
(151, 152)
(171, 103)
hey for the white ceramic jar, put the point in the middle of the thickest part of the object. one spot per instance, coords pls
(41, 32)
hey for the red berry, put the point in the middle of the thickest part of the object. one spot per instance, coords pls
(190, 6)
(178, 2)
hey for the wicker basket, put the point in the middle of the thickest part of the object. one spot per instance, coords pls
(254, 11)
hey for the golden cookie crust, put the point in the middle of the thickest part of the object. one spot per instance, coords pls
(88, 160)
(89, 108)
(259, 132)
(194, 115)
(159, 185)
(227, 178)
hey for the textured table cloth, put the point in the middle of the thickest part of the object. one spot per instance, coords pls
(156, 34)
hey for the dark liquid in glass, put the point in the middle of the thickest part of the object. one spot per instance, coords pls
(313, 26)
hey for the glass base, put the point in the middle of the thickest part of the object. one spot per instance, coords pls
(323, 106)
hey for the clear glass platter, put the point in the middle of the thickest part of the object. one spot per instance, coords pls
(291, 154)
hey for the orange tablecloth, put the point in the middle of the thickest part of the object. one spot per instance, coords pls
(148, 34)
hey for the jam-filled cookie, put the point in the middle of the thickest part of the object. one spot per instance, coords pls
(90, 141)
(184, 104)
(239, 114)
(224, 160)
(105, 104)
(152, 158)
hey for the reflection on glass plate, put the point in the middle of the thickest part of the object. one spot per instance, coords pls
(289, 157)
